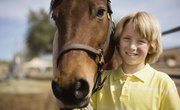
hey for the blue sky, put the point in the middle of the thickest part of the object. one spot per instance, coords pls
(13, 20)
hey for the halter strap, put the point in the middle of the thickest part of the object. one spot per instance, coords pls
(76, 46)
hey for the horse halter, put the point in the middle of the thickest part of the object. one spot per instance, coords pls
(97, 52)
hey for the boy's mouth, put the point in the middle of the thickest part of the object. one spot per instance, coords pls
(131, 54)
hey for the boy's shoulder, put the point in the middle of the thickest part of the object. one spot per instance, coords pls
(110, 74)
(162, 77)
(107, 73)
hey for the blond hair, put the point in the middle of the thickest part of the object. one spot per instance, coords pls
(148, 27)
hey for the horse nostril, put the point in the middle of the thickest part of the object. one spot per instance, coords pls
(56, 89)
(81, 89)
(78, 94)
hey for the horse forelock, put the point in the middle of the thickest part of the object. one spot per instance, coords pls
(70, 20)
(54, 3)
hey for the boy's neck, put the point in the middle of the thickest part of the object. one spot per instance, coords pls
(130, 69)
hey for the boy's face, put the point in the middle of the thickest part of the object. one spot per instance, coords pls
(133, 48)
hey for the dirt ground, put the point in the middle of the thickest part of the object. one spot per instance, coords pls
(26, 95)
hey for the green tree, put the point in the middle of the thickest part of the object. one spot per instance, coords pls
(40, 34)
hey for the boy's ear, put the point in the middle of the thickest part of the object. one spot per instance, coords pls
(150, 50)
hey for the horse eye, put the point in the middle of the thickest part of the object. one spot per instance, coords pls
(100, 12)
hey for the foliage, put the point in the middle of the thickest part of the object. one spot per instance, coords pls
(40, 33)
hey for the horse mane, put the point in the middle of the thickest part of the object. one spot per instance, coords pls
(109, 8)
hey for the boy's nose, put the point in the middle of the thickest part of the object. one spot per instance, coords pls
(133, 46)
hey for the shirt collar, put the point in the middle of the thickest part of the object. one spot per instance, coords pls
(144, 74)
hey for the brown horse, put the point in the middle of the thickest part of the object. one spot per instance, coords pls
(82, 41)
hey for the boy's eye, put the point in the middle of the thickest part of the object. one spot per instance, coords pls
(126, 38)
(142, 41)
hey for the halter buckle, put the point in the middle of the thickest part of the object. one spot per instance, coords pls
(100, 58)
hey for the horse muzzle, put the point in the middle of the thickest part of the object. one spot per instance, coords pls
(76, 95)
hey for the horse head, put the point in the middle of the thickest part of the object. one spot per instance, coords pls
(81, 43)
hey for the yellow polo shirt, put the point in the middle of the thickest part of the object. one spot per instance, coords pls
(146, 89)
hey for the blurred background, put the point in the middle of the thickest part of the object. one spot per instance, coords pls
(26, 34)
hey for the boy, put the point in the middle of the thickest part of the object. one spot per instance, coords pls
(135, 85)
